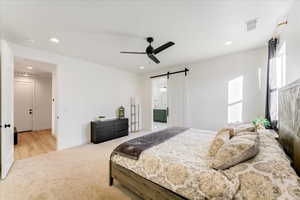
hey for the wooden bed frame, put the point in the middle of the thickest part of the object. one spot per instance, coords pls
(137, 184)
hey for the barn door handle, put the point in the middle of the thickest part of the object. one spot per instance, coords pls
(6, 125)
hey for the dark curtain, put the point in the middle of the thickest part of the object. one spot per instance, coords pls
(272, 47)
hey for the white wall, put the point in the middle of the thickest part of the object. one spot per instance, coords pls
(207, 89)
(84, 91)
(291, 35)
(42, 101)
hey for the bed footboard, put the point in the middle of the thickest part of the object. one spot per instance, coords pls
(142, 187)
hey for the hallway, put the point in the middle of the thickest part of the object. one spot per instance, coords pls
(34, 143)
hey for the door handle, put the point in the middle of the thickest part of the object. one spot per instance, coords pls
(6, 125)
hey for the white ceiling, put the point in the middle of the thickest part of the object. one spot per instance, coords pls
(98, 30)
(41, 69)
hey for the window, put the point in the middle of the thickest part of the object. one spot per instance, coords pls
(277, 79)
(235, 100)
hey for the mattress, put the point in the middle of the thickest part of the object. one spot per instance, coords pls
(181, 164)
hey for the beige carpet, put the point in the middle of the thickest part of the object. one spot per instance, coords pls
(74, 174)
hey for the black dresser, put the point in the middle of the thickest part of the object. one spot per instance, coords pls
(104, 130)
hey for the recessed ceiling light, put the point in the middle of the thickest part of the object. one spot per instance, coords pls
(29, 67)
(142, 67)
(54, 40)
(228, 43)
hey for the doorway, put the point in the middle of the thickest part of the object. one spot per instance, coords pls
(169, 100)
(159, 103)
(33, 103)
(12, 67)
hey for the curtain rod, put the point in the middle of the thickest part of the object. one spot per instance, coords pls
(185, 71)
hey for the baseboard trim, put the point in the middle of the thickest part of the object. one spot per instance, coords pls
(24, 131)
(48, 129)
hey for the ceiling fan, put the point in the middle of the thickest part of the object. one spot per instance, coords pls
(150, 51)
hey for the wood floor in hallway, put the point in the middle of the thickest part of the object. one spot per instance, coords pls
(34, 143)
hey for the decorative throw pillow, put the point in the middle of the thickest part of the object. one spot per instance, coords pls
(268, 132)
(222, 136)
(246, 133)
(242, 127)
(230, 130)
(238, 149)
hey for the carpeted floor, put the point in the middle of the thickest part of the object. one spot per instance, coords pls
(73, 174)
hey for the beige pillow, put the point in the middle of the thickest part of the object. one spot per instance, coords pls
(246, 133)
(242, 127)
(238, 149)
(222, 136)
(230, 130)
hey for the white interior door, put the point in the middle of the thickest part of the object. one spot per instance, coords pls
(23, 101)
(6, 109)
(176, 100)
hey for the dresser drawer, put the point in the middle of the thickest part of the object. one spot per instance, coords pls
(123, 133)
(120, 127)
(103, 123)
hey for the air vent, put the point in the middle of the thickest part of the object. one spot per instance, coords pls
(251, 25)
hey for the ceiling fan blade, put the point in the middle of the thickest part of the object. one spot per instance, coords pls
(132, 52)
(163, 47)
(152, 57)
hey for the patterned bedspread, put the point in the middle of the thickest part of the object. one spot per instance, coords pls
(133, 148)
(267, 176)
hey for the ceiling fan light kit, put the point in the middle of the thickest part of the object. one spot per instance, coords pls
(150, 51)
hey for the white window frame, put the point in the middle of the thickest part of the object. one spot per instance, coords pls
(236, 102)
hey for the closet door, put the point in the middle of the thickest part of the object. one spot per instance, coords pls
(176, 100)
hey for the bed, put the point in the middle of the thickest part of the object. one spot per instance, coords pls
(178, 168)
